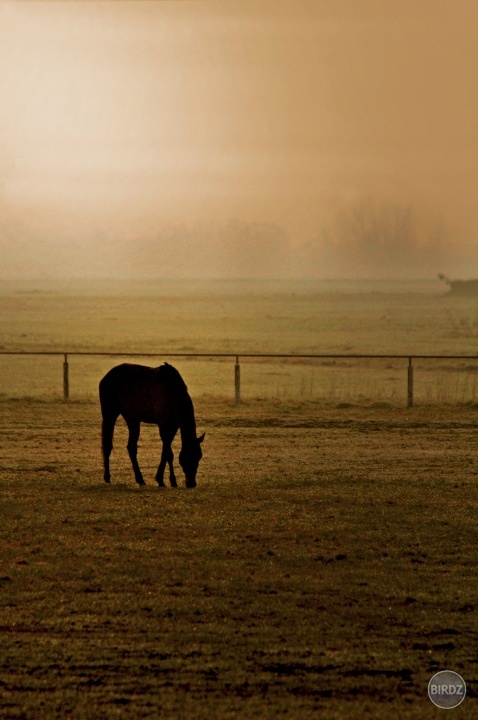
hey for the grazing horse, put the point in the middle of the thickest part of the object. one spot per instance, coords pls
(151, 395)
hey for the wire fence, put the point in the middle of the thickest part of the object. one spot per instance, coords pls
(332, 376)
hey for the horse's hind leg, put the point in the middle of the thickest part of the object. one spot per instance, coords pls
(134, 427)
(107, 430)
(167, 435)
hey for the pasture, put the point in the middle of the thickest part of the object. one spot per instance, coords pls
(240, 318)
(325, 566)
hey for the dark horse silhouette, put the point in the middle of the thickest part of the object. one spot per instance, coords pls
(151, 395)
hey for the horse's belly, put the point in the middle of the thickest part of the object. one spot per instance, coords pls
(152, 412)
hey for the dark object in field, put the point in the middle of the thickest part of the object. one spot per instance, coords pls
(461, 287)
(152, 395)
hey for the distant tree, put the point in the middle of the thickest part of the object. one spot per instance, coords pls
(377, 235)
(376, 238)
(237, 249)
(170, 251)
(254, 249)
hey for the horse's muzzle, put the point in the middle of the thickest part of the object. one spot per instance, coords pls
(190, 482)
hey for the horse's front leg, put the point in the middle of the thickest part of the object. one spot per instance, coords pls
(172, 476)
(132, 446)
(160, 473)
(167, 457)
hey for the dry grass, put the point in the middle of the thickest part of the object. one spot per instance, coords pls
(324, 566)
(206, 318)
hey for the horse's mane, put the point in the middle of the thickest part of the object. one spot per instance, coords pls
(167, 373)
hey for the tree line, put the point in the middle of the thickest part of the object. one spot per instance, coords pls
(365, 239)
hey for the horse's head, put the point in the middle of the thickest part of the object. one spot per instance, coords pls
(189, 458)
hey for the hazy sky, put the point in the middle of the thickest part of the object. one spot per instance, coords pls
(120, 118)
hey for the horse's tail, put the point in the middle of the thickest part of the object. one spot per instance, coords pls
(107, 431)
(110, 414)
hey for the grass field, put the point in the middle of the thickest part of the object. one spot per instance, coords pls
(243, 318)
(325, 566)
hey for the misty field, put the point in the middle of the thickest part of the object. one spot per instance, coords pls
(219, 317)
(325, 566)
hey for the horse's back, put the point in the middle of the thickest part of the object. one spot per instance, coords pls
(125, 373)
(141, 392)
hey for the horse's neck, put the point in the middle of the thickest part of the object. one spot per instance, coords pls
(188, 432)
(187, 422)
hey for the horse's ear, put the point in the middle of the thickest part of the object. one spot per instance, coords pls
(201, 438)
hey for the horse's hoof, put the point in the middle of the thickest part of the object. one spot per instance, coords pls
(107, 480)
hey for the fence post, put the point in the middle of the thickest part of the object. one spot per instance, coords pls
(237, 380)
(66, 379)
(410, 384)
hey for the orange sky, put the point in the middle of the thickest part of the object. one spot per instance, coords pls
(118, 117)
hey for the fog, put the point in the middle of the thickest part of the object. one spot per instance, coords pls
(239, 139)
